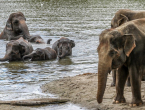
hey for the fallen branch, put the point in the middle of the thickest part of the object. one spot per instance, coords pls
(32, 102)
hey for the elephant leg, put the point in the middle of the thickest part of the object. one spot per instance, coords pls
(114, 78)
(135, 79)
(121, 77)
(128, 82)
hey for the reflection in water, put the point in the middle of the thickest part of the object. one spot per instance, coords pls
(79, 20)
(15, 67)
(65, 61)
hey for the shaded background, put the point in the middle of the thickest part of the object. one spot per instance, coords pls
(78, 20)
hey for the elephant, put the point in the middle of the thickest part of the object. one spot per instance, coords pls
(16, 49)
(36, 39)
(125, 15)
(63, 47)
(123, 49)
(41, 54)
(15, 27)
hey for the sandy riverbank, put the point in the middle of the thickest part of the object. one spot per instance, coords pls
(82, 89)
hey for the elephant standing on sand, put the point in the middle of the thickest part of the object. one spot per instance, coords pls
(63, 47)
(122, 16)
(16, 49)
(15, 27)
(41, 54)
(122, 48)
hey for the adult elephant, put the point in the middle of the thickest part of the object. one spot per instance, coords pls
(16, 49)
(41, 54)
(125, 15)
(15, 27)
(63, 47)
(122, 48)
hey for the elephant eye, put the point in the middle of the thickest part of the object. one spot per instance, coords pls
(112, 52)
(16, 22)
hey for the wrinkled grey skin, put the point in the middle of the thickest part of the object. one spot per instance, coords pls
(15, 27)
(63, 47)
(124, 15)
(36, 39)
(41, 54)
(122, 49)
(16, 49)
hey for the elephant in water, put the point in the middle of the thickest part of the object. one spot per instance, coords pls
(16, 49)
(63, 47)
(123, 49)
(41, 54)
(125, 15)
(15, 27)
(37, 39)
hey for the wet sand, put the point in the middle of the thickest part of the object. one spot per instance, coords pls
(82, 89)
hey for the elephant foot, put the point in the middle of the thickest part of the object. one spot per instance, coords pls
(136, 103)
(112, 84)
(119, 100)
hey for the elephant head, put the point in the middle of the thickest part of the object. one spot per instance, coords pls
(118, 20)
(36, 39)
(16, 49)
(17, 26)
(64, 47)
(113, 50)
(36, 55)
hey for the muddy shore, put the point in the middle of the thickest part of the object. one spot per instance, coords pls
(82, 89)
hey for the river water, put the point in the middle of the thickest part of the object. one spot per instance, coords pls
(78, 20)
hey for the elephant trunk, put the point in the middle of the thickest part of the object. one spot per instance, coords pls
(25, 30)
(62, 56)
(104, 67)
(28, 56)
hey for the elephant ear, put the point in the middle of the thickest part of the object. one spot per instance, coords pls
(23, 48)
(31, 39)
(9, 25)
(129, 44)
(72, 43)
(9, 22)
(20, 13)
(42, 55)
(123, 19)
(58, 43)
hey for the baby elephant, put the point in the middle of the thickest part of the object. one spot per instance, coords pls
(41, 54)
(63, 47)
(36, 39)
(16, 49)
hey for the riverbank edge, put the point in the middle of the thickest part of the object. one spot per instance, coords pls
(82, 90)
